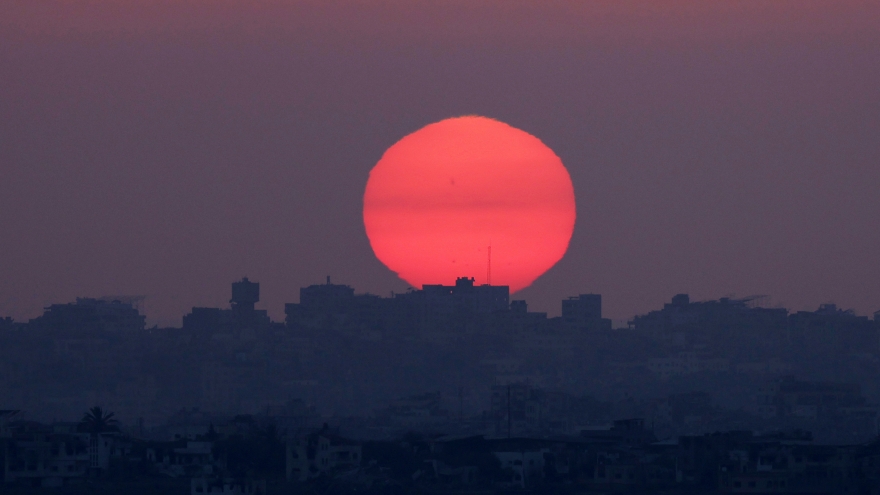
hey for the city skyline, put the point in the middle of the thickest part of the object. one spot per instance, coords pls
(511, 304)
(276, 314)
(234, 359)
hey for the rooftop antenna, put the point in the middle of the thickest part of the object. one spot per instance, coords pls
(489, 267)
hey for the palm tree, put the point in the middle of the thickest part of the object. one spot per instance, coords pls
(96, 421)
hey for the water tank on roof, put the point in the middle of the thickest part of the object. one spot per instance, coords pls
(245, 293)
(681, 300)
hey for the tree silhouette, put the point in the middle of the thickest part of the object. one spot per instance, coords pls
(97, 421)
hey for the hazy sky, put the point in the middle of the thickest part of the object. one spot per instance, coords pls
(171, 147)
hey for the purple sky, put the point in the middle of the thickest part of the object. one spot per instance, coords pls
(169, 148)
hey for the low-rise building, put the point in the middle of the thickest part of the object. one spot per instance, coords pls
(40, 455)
(320, 452)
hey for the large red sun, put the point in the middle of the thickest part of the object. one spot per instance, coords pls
(441, 196)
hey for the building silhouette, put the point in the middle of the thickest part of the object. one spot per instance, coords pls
(241, 315)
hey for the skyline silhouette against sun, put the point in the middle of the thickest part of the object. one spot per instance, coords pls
(441, 197)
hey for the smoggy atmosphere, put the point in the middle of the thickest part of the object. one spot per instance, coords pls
(169, 148)
(642, 240)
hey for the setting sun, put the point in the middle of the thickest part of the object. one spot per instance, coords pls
(440, 197)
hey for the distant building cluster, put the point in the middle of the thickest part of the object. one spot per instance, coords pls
(448, 363)
(251, 455)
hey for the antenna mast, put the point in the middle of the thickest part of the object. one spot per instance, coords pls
(489, 267)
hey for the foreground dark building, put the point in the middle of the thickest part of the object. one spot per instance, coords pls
(249, 454)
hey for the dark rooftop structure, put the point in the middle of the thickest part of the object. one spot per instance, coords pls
(88, 315)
